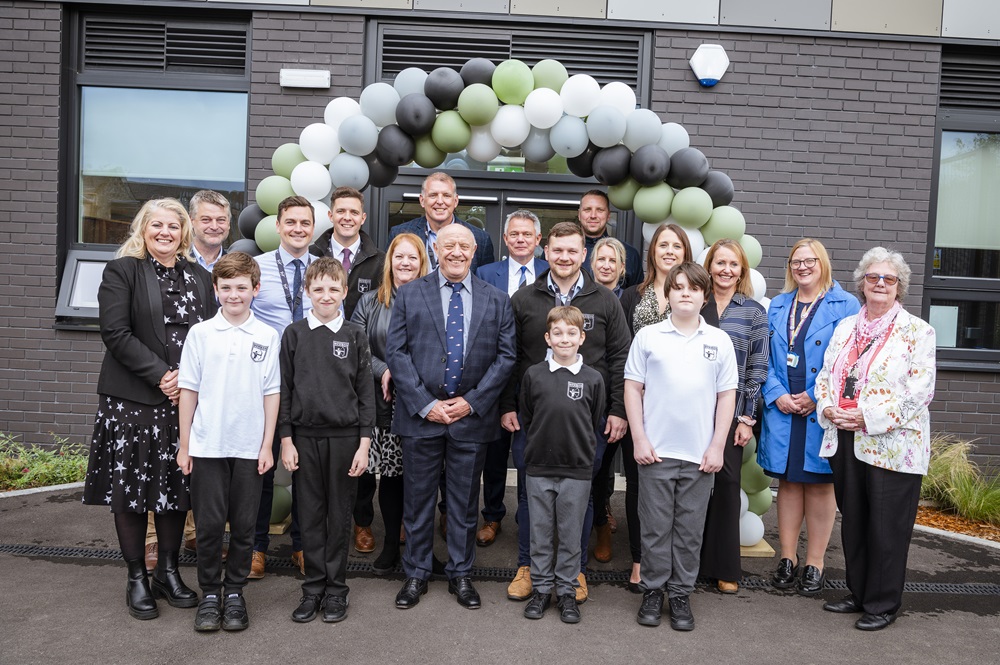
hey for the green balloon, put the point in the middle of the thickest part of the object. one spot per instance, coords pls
(281, 504)
(558, 165)
(286, 158)
(427, 154)
(622, 195)
(549, 74)
(753, 249)
(750, 450)
(725, 222)
(266, 234)
(760, 502)
(752, 478)
(450, 133)
(271, 191)
(652, 204)
(512, 81)
(478, 104)
(692, 207)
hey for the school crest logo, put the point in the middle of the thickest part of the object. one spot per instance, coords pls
(364, 285)
(588, 322)
(340, 349)
(574, 391)
(710, 352)
(258, 352)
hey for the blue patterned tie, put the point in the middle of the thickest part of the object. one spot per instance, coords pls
(297, 314)
(524, 277)
(454, 336)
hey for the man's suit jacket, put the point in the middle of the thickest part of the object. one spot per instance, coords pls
(416, 355)
(498, 273)
(484, 244)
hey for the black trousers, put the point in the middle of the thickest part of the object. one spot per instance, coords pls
(262, 536)
(720, 549)
(326, 503)
(495, 478)
(877, 508)
(631, 496)
(364, 509)
(224, 489)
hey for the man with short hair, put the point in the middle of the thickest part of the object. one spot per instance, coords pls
(363, 262)
(210, 218)
(594, 212)
(522, 233)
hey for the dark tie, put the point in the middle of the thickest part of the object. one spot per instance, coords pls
(524, 277)
(297, 291)
(453, 334)
(347, 260)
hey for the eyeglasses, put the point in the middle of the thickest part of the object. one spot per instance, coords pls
(808, 263)
(873, 278)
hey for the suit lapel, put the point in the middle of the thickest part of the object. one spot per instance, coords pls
(432, 300)
(480, 296)
(155, 299)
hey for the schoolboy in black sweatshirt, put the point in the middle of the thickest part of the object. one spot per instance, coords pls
(325, 422)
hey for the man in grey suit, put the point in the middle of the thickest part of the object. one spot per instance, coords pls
(450, 347)
(522, 232)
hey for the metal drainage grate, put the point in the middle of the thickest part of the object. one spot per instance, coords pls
(494, 573)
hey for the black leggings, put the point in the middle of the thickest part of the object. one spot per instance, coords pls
(131, 528)
(390, 503)
(631, 496)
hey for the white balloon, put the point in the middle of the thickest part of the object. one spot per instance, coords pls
(339, 109)
(751, 529)
(509, 127)
(744, 503)
(620, 96)
(311, 180)
(700, 260)
(358, 135)
(580, 95)
(410, 80)
(378, 102)
(697, 241)
(319, 143)
(765, 302)
(321, 213)
(758, 284)
(642, 128)
(543, 108)
(482, 146)
(605, 126)
(673, 137)
(648, 230)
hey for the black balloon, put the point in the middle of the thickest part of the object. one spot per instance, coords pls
(415, 114)
(719, 186)
(688, 168)
(478, 70)
(245, 245)
(582, 166)
(248, 219)
(443, 87)
(611, 165)
(380, 174)
(395, 147)
(650, 165)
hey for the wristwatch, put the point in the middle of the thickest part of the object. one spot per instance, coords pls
(747, 420)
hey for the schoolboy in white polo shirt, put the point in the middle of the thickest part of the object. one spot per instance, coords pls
(680, 395)
(230, 393)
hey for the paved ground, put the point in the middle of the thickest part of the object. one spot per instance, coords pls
(62, 607)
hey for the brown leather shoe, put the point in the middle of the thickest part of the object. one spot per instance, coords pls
(487, 534)
(152, 550)
(728, 587)
(257, 565)
(612, 522)
(520, 587)
(582, 593)
(191, 546)
(402, 534)
(602, 549)
(364, 541)
(298, 559)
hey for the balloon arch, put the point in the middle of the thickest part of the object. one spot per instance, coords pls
(467, 118)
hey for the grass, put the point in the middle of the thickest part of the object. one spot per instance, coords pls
(955, 483)
(23, 467)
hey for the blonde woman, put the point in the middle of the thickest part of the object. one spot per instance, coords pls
(607, 262)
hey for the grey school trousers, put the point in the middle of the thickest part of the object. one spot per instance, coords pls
(557, 507)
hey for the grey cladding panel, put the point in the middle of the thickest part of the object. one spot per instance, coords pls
(795, 14)
(479, 6)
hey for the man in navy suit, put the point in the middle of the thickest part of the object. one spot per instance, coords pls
(439, 198)
(451, 348)
(522, 232)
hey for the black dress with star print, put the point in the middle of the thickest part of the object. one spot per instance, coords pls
(133, 454)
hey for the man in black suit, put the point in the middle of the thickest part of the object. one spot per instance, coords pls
(450, 348)
(593, 215)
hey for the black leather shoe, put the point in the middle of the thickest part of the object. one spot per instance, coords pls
(651, 608)
(568, 610)
(467, 595)
(811, 582)
(167, 582)
(786, 575)
(234, 613)
(138, 597)
(875, 621)
(846, 605)
(209, 616)
(386, 562)
(681, 617)
(308, 609)
(537, 604)
(334, 609)
(410, 594)
(633, 587)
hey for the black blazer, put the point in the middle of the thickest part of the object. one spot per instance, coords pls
(131, 315)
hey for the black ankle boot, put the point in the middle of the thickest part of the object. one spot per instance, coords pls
(167, 582)
(386, 561)
(138, 597)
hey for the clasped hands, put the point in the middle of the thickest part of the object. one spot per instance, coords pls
(800, 404)
(851, 420)
(447, 411)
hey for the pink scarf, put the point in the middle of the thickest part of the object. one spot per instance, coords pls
(863, 344)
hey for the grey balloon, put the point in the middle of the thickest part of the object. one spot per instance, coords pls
(720, 187)
(347, 170)
(611, 165)
(569, 136)
(688, 168)
(642, 127)
(358, 135)
(537, 147)
(478, 70)
(650, 165)
(443, 87)
(394, 147)
(415, 114)
(410, 81)
(246, 245)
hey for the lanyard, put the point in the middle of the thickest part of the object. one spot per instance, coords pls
(293, 304)
(794, 330)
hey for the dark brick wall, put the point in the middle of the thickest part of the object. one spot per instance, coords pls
(968, 404)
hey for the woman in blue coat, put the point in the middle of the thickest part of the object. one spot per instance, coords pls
(802, 320)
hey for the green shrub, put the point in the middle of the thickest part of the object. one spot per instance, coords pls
(22, 466)
(955, 483)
